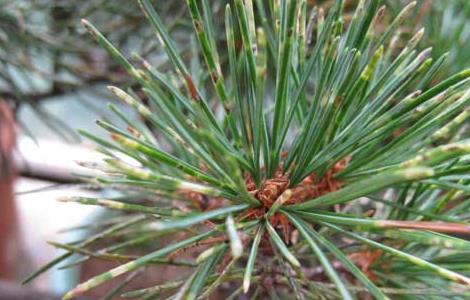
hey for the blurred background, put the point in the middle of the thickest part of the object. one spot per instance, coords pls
(53, 81)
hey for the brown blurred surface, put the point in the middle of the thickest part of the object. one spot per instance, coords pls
(12, 291)
(8, 217)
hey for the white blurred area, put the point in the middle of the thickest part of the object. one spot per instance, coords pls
(48, 159)
(41, 217)
(53, 159)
